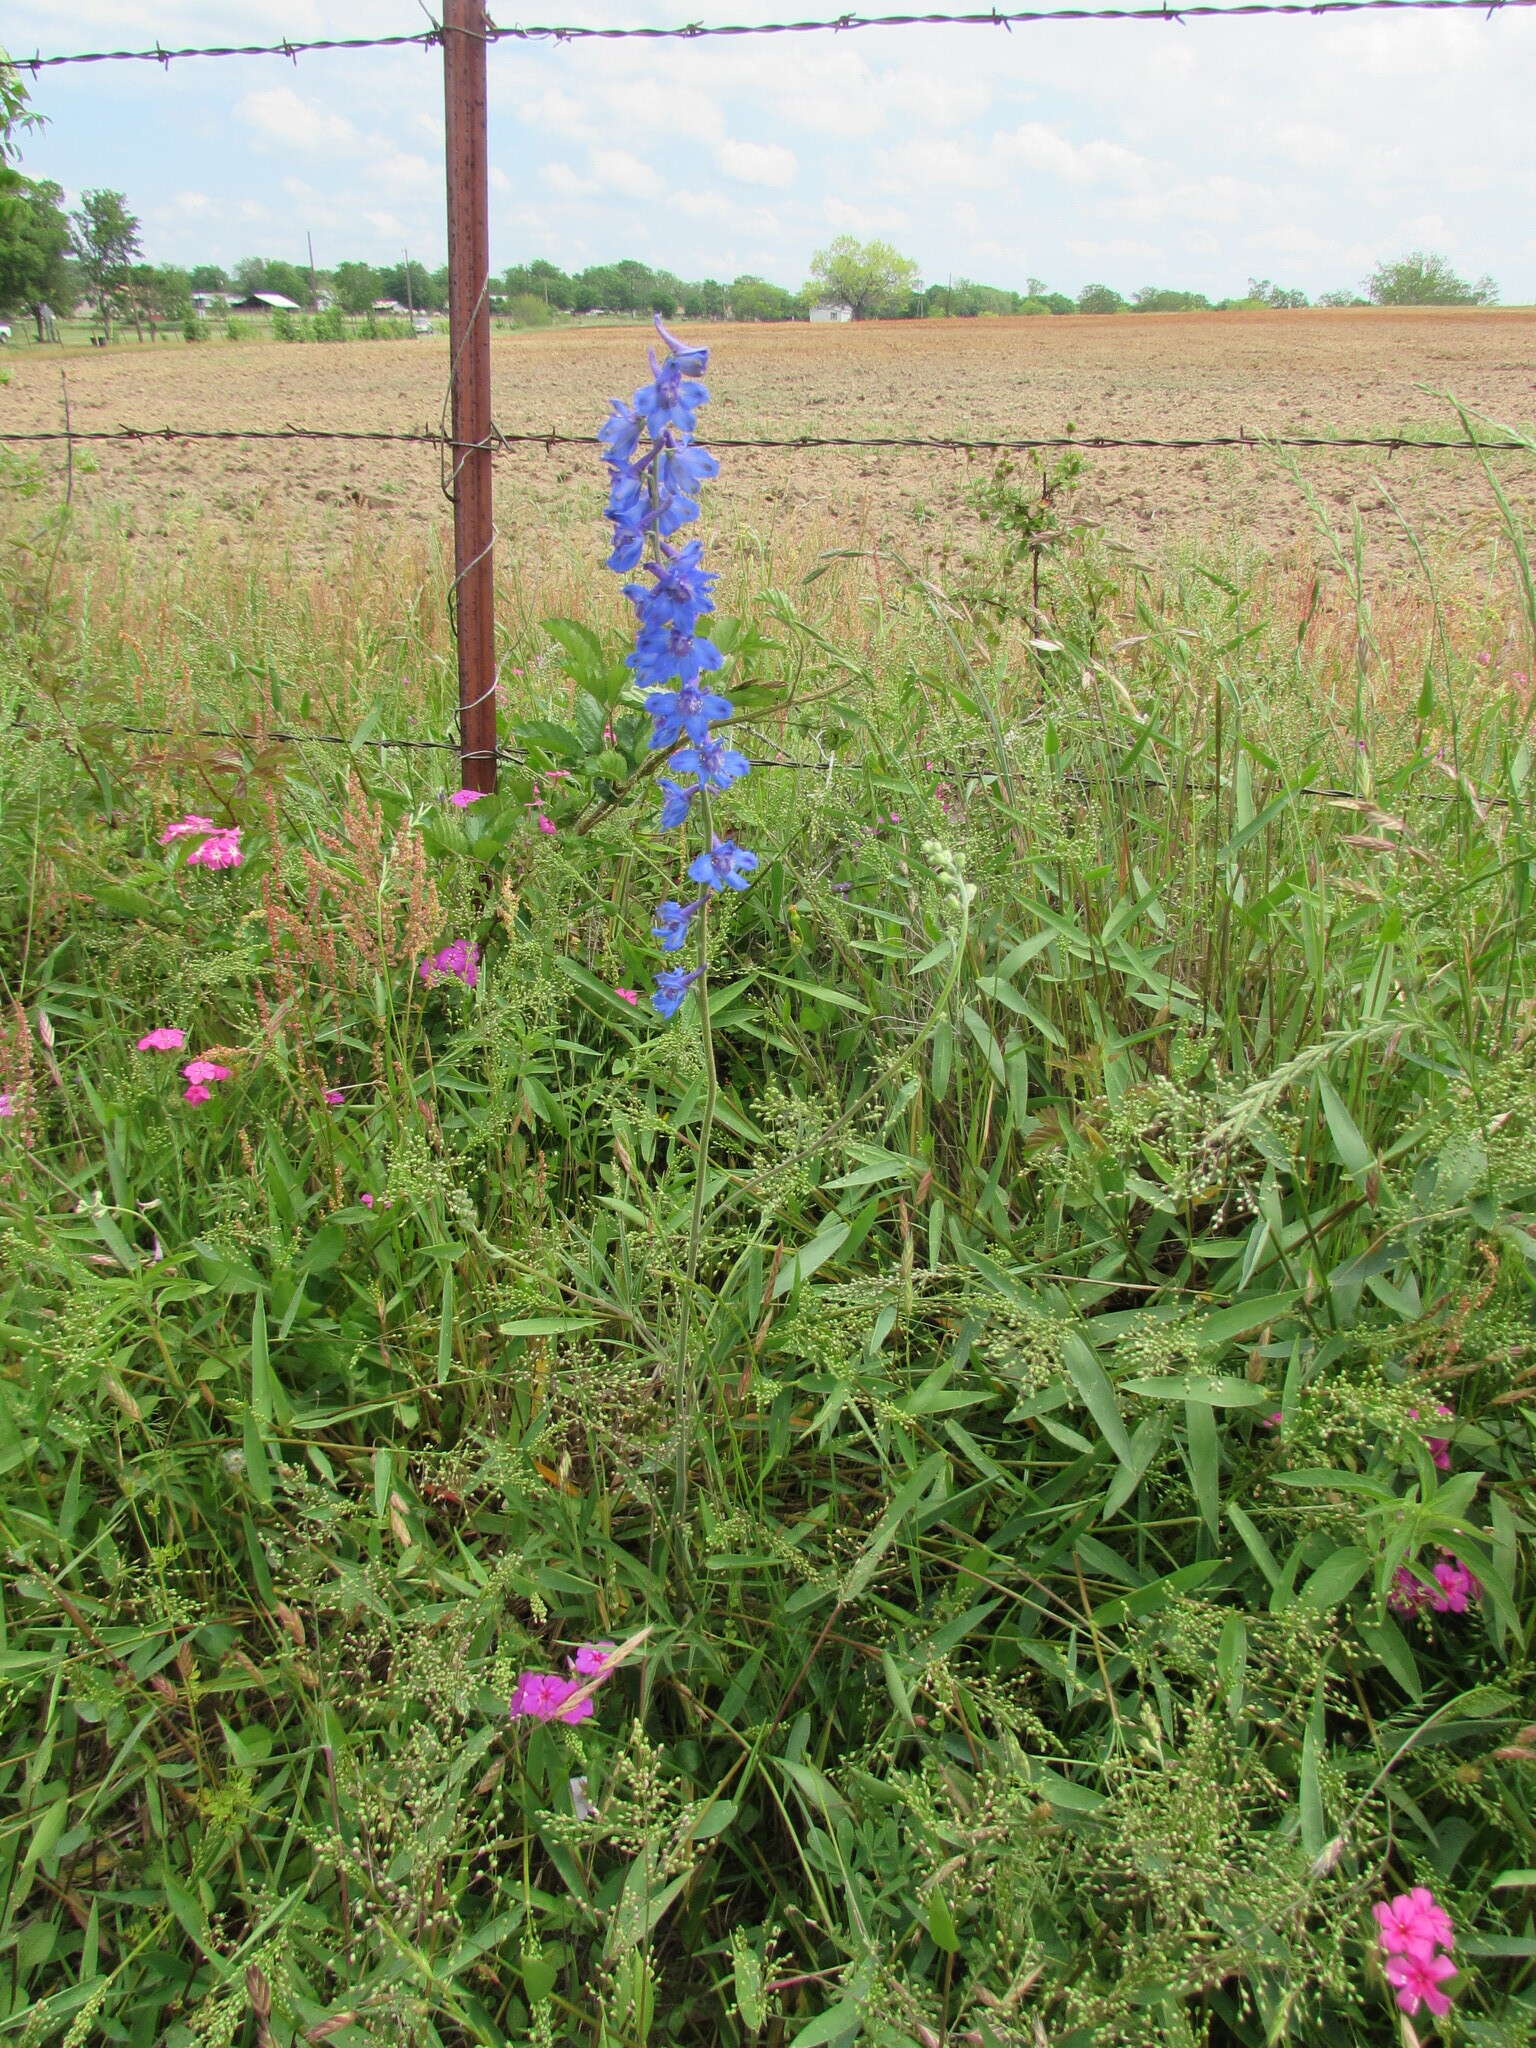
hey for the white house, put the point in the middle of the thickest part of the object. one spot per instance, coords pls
(833, 312)
(264, 302)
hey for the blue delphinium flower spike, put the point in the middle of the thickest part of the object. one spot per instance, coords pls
(670, 926)
(676, 803)
(725, 866)
(672, 984)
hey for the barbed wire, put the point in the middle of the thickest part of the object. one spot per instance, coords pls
(503, 441)
(1322, 792)
(842, 24)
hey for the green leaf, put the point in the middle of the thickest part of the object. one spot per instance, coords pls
(941, 1923)
(1335, 1578)
(803, 1263)
(1096, 1393)
(1356, 1156)
(1214, 1390)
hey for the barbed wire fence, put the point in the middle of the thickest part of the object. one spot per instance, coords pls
(471, 439)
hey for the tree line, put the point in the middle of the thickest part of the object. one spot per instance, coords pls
(53, 258)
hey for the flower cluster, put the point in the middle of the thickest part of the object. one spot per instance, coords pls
(546, 1696)
(1449, 1589)
(1413, 1931)
(219, 848)
(199, 1073)
(459, 961)
(653, 493)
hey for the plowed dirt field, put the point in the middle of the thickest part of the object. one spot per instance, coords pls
(1316, 372)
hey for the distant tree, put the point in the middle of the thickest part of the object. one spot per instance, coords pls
(871, 278)
(251, 274)
(1156, 299)
(414, 289)
(704, 301)
(1341, 299)
(437, 290)
(1262, 293)
(157, 292)
(1422, 278)
(1034, 288)
(1099, 298)
(1058, 302)
(34, 245)
(355, 286)
(105, 239)
(208, 277)
(753, 298)
(550, 282)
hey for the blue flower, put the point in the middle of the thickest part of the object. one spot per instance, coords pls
(692, 362)
(671, 399)
(672, 984)
(677, 802)
(680, 471)
(670, 928)
(667, 653)
(725, 866)
(683, 587)
(689, 710)
(620, 432)
(716, 765)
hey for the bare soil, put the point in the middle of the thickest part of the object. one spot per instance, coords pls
(1318, 372)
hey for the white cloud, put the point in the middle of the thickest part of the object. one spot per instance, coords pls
(279, 114)
(628, 176)
(757, 163)
(562, 179)
(1079, 163)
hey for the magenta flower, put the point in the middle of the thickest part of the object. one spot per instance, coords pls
(591, 1659)
(164, 1038)
(463, 798)
(1454, 1587)
(198, 1071)
(1407, 1593)
(1417, 1980)
(544, 1696)
(7, 1105)
(196, 1092)
(545, 824)
(1413, 1920)
(461, 960)
(1272, 1420)
(335, 1097)
(628, 995)
(185, 827)
(220, 850)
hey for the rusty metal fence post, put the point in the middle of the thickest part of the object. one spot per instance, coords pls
(465, 30)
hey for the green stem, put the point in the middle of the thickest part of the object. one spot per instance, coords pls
(685, 1384)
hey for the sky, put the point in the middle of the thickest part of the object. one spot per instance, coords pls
(1304, 150)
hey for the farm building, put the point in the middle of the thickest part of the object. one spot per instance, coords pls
(836, 312)
(264, 302)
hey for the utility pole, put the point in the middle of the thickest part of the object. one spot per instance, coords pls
(314, 282)
(410, 304)
(465, 31)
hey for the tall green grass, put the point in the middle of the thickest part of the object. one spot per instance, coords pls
(1127, 1041)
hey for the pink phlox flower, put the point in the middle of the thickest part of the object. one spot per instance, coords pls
(1272, 1420)
(185, 827)
(543, 1696)
(7, 1104)
(628, 995)
(222, 850)
(335, 1097)
(463, 798)
(1407, 1593)
(1454, 1587)
(199, 1071)
(546, 824)
(1417, 1979)
(164, 1038)
(1481, 659)
(1439, 1448)
(197, 1092)
(591, 1659)
(461, 960)
(1413, 1920)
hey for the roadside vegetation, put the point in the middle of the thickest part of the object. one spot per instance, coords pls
(1033, 1514)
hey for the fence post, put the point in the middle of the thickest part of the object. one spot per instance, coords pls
(465, 28)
